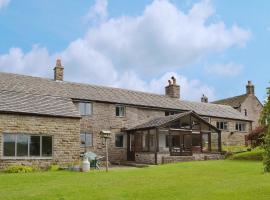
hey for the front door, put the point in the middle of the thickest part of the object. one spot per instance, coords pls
(130, 147)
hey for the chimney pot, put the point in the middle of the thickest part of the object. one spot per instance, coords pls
(204, 99)
(172, 90)
(58, 71)
(250, 89)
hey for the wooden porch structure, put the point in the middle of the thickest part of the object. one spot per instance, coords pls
(175, 135)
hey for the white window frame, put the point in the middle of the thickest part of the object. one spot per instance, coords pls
(124, 110)
(241, 126)
(28, 156)
(116, 135)
(84, 145)
(84, 103)
(223, 128)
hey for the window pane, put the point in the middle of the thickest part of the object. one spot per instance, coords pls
(88, 109)
(122, 111)
(22, 145)
(46, 146)
(88, 139)
(82, 108)
(196, 140)
(82, 140)
(34, 145)
(119, 140)
(9, 144)
(117, 112)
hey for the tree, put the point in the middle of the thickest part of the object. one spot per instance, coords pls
(265, 120)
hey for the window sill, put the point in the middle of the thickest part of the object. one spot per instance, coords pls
(120, 147)
(120, 116)
(26, 158)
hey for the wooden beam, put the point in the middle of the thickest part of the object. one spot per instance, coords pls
(157, 146)
(219, 141)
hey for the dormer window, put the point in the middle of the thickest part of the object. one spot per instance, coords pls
(85, 108)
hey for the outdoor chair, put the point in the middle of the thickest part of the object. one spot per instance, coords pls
(94, 159)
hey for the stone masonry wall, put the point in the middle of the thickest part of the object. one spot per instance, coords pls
(65, 132)
(103, 118)
(231, 137)
(254, 109)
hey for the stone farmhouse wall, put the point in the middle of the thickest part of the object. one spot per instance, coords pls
(64, 131)
(103, 118)
(231, 137)
(254, 109)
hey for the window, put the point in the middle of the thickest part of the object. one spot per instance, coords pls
(222, 125)
(9, 144)
(245, 112)
(34, 145)
(85, 108)
(46, 146)
(23, 145)
(86, 139)
(196, 140)
(120, 111)
(240, 126)
(119, 141)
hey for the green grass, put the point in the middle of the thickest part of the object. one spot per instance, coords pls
(255, 154)
(211, 180)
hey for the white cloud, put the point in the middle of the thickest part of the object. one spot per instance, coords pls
(97, 12)
(227, 69)
(4, 3)
(123, 51)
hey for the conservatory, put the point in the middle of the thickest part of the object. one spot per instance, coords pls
(180, 136)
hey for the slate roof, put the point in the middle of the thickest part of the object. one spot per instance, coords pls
(159, 121)
(20, 102)
(69, 90)
(235, 102)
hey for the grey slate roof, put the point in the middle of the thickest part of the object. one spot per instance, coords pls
(70, 90)
(160, 121)
(235, 102)
(20, 102)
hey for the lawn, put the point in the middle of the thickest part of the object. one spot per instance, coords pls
(191, 180)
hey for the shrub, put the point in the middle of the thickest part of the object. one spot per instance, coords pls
(255, 154)
(19, 169)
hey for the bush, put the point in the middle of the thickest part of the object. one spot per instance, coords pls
(255, 154)
(19, 169)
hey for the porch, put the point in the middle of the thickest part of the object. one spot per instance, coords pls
(183, 136)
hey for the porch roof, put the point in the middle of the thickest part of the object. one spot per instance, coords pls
(160, 121)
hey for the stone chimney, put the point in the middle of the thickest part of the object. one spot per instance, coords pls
(172, 90)
(204, 99)
(58, 71)
(250, 88)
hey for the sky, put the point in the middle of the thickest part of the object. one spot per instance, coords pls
(212, 47)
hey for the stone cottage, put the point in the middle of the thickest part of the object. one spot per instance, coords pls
(247, 103)
(45, 121)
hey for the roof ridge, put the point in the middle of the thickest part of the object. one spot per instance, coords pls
(229, 98)
(86, 84)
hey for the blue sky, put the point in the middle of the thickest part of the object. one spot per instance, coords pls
(212, 47)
